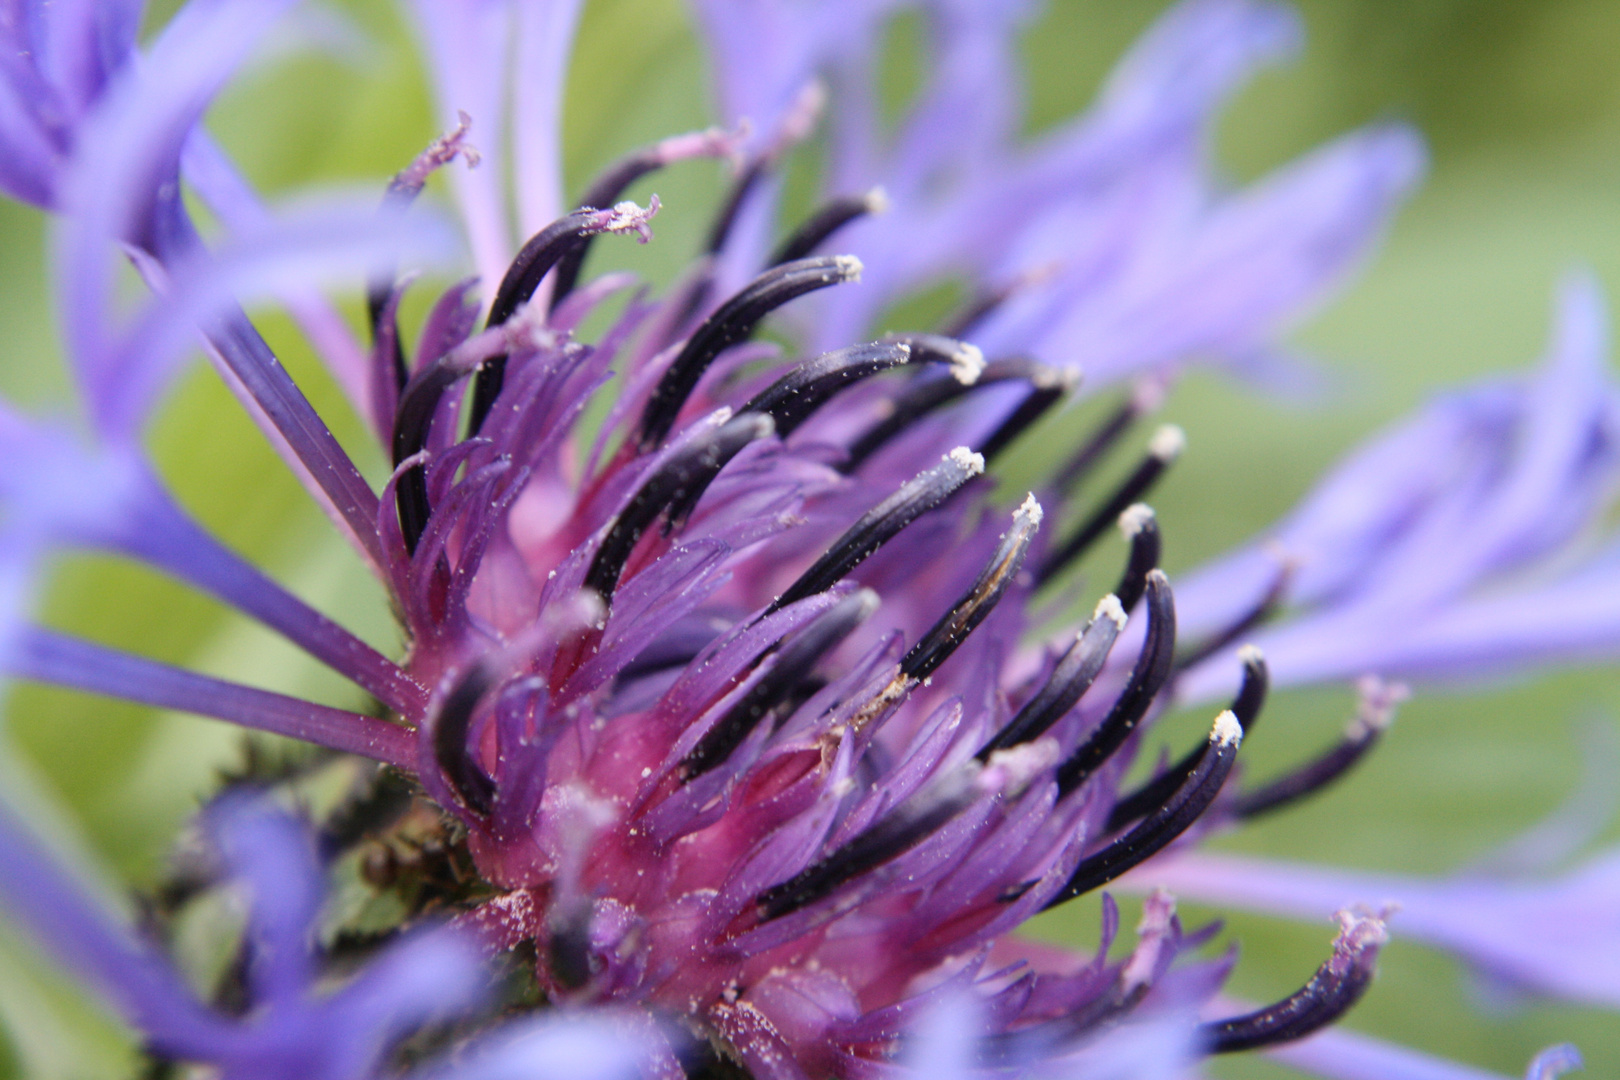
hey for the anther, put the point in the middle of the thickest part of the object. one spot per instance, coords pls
(1244, 624)
(402, 190)
(533, 262)
(607, 189)
(734, 322)
(826, 221)
(905, 826)
(1071, 678)
(936, 646)
(779, 684)
(883, 523)
(1144, 399)
(1141, 531)
(1048, 386)
(928, 393)
(672, 489)
(1165, 446)
(1147, 678)
(1373, 717)
(1183, 808)
(1251, 698)
(965, 359)
(1336, 986)
(891, 836)
(451, 727)
(792, 399)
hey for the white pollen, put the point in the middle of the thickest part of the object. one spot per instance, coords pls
(1251, 654)
(966, 460)
(1029, 512)
(1109, 608)
(1135, 518)
(967, 363)
(849, 267)
(877, 201)
(1167, 443)
(1227, 731)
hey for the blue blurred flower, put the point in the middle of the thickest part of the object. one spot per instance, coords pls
(733, 706)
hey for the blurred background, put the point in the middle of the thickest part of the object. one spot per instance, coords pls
(1521, 105)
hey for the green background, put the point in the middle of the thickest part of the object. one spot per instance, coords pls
(1521, 104)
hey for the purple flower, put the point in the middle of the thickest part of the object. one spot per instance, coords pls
(1463, 542)
(295, 1025)
(726, 711)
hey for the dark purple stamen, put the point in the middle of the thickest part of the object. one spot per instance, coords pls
(779, 685)
(734, 322)
(605, 190)
(1243, 625)
(450, 730)
(742, 187)
(1091, 453)
(1251, 698)
(1147, 678)
(892, 835)
(929, 392)
(1184, 807)
(936, 646)
(1141, 531)
(792, 399)
(1336, 986)
(673, 489)
(1377, 709)
(1071, 678)
(1048, 386)
(882, 523)
(544, 249)
(826, 221)
(1163, 449)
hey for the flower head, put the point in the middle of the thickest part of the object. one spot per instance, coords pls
(729, 708)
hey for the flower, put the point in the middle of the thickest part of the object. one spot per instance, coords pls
(728, 738)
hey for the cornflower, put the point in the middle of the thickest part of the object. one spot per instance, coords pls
(727, 716)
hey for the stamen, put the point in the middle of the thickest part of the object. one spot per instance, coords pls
(523, 277)
(1141, 530)
(1071, 678)
(780, 684)
(965, 359)
(741, 188)
(1144, 399)
(1376, 713)
(1336, 986)
(883, 523)
(903, 828)
(967, 613)
(926, 394)
(734, 322)
(450, 730)
(1165, 446)
(1188, 803)
(1147, 678)
(832, 216)
(1246, 707)
(402, 190)
(1048, 386)
(1245, 623)
(984, 303)
(674, 487)
(607, 188)
(795, 396)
